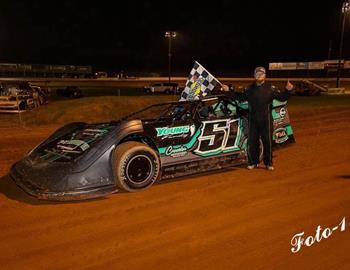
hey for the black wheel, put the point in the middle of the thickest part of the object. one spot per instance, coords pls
(23, 106)
(136, 166)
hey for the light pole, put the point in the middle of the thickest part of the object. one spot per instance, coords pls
(169, 35)
(345, 9)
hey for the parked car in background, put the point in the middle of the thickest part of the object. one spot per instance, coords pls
(100, 74)
(69, 92)
(20, 96)
(164, 88)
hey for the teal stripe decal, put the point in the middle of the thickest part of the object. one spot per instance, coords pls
(276, 103)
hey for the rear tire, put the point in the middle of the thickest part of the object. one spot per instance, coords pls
(136, 166)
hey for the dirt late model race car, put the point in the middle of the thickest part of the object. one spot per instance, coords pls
(162, 141)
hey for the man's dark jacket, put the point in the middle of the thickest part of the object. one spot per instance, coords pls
(260, 99)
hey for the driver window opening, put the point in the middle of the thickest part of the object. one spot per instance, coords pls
(216, 108)
(179, 112)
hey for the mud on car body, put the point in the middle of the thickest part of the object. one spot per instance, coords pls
(162, 141)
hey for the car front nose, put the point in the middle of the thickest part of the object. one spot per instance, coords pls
(59, 190)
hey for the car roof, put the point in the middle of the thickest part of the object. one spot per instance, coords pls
(165, 83)
(208, 98)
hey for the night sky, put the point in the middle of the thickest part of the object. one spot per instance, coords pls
(223, 35)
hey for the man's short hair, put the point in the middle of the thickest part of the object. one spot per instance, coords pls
(259, 69)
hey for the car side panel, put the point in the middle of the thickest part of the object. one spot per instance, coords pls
(191, 141)
(282, 133)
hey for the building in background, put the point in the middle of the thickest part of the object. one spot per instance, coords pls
(35, 70)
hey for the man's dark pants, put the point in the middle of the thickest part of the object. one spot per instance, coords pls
(259, 128)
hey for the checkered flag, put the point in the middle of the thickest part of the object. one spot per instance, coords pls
(199, 84)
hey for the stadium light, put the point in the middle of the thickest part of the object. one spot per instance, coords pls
(169, 35)
(345, 9)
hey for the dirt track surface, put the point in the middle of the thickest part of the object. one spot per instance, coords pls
(237, 219)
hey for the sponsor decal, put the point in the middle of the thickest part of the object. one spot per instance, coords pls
(180, 130)
(279, 115)
(280, 135)
(188, 145)
(282, 112)
(94, 132)
(195, 87)
(176, 151)
(72, 145)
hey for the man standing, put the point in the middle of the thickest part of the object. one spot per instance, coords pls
(36, 98)
(260, 96)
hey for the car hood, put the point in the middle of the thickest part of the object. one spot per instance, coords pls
(81, 143)
(50, 166)
(76, 156)
(72, 144)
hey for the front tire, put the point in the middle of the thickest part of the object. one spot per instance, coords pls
(136, 166)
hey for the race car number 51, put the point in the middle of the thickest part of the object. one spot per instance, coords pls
(298, 240)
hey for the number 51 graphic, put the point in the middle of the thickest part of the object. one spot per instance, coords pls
(215, 137)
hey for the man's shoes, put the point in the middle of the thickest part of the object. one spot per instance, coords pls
(253, 166)
(269, 167)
